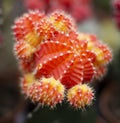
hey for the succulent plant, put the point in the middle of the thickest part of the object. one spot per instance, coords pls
(57, 61)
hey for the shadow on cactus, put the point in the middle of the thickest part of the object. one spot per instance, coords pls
(57, 62)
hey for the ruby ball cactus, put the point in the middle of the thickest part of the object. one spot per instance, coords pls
(57, 61)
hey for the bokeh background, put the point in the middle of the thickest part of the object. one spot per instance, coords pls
(92, 16)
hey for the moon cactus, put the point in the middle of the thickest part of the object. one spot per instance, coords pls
(58, 62)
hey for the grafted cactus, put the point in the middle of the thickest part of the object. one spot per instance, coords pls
(56, 60)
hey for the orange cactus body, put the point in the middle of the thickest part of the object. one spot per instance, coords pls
(100, 72)
(80, 96)
(55, 59)
(26, 66)
(24, 28)
(66, 60)
(103, 53)
(61, 22)
(23, 50)
(46, 91)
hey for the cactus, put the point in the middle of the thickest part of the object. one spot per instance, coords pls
(56, 60)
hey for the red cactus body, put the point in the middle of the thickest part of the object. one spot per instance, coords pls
(56, 59)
